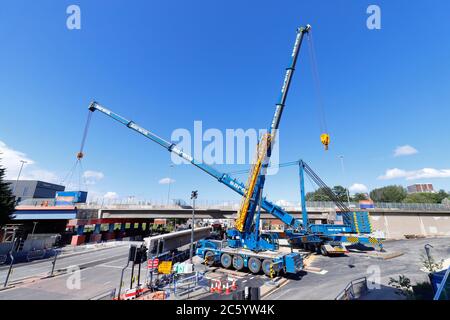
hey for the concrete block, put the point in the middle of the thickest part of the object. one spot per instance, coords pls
(77, 240)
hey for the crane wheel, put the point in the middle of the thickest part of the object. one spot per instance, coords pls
(238, 262)
(226, 260)
(209, 258)
(254, 265)
(267, 269)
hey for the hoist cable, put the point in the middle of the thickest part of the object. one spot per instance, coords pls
(83, 140)
(78, 165)
(316, 80)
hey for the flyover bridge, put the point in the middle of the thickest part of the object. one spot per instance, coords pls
(395, 220)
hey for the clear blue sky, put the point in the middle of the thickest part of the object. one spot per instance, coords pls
(166, 64)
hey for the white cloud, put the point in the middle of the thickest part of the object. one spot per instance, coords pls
(110, 195)
(425, 173)
(166, 181)
(10, 159)
(358, 188)
(405, 150)
(91, 177)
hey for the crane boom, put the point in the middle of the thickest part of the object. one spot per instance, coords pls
(224, 178)
(256, 179)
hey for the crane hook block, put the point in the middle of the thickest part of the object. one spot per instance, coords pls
(325, 139)
(80, 155)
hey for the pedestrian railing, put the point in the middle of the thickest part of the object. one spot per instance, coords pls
(443, 291)
(354, 290)
(233, 205)
(190, 283)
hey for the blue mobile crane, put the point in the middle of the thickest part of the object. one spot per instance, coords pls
(329, 239)
(246, 246)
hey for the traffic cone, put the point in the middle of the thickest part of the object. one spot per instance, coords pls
(233, 285)
(213, 287)
(219, 287)
(227, 289)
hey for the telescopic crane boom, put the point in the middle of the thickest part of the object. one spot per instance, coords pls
(245, 218)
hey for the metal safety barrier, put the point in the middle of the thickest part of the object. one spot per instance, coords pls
(354, 290)
(197, 281)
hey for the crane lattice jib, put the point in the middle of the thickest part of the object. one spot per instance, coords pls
(251, 182)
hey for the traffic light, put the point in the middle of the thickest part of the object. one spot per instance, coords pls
(132, 253)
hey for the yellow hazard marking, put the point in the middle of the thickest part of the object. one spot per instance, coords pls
(356, 222)
(353, 239)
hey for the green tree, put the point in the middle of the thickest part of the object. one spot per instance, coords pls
(441, 195)
(426, 197)
(359, 196)
(318, 195)
(321, 195)
(421, 197)
(388, 194)
(7, 200)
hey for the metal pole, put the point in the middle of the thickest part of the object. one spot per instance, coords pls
(18, 176)
(302, 196)
(12, 261)
(34, 227)
(54, 263)
(343, 173)
(193, 197)
(121, 279)
(427, 250)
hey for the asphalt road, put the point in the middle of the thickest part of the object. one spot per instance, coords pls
(42, 268)
(105, 276)
(342, 270)
(94, 280)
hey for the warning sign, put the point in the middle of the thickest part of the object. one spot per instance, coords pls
(153, 263)
(165, 267)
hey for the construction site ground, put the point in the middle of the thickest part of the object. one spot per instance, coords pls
(328, 276)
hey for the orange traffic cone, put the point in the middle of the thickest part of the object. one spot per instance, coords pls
(234, 285)
(219, 287)
(227, 289)
(213, 287)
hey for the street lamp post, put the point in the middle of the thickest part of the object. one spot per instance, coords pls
(343, 173)
(18, 176)
(194, 195)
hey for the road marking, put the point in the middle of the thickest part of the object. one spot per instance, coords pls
(321, 272)
(110, 266)
(106, 283)
(251, 278)
(244, 281)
